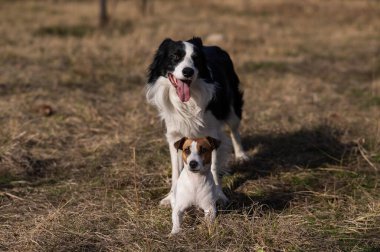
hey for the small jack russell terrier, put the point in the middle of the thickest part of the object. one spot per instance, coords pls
(195, 185)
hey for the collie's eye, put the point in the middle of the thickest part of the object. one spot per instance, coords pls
(187, 151)
(175, 57)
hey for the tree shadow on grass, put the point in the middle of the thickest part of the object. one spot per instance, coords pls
(303, 149)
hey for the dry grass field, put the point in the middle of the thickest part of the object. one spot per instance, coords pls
(84, 161)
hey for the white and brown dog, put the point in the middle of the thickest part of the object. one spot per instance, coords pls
(196, 91)
(195, 185)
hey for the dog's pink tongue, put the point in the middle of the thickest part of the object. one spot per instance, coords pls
(183, 91)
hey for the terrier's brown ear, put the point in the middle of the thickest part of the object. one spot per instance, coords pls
(215, 143)
(179, 144)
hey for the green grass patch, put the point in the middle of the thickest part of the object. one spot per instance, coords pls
(373, 101)
(369, 182)
(233, 181)
(371, 249)
(376, 158)
(304, 180)
(259, 192)
(343, 174)
(56, 193)
(365, 98)
(358, 93)
(5, 180)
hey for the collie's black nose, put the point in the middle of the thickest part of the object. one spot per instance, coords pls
(188, 72)
(193, 164)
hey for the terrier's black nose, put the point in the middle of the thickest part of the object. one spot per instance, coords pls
(188, 72)
(193, 164)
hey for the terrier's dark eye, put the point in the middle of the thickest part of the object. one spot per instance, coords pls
(187, 151)
(202, 150)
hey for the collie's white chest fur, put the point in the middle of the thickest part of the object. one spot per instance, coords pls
(184, 118)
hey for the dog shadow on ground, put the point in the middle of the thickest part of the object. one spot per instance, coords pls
(303, 149)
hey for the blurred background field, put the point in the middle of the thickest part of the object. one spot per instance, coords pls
(84, 161)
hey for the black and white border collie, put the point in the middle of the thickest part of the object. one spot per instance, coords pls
(196, 91)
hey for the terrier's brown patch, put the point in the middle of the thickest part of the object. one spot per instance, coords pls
(204, 149)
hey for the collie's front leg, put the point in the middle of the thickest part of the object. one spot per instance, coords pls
(176, 169)
(215, 174)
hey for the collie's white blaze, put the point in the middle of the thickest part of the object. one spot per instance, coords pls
(186, 62)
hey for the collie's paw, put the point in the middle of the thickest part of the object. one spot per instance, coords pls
(222, 198)
(242, 157)
(165, 202)
(175, 231)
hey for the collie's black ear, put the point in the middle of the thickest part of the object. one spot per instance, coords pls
(154, 69)
(197, 41)
(165, 43)
(215, 143)
(179, 144)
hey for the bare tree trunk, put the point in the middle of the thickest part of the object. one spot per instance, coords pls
(103, 13)
(144, 5)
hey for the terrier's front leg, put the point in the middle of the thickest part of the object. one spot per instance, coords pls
(177, 220)
(210, 213)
